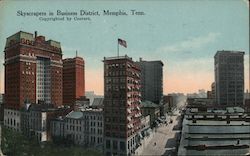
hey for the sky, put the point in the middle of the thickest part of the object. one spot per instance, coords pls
(184, 35)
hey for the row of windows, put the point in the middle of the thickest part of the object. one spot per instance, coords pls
(115, 65)
(115, 119)
(74, 128)
(99, 118)
(93, 117)
(119, 65)
(27, 72)
(27, 63)
(11, 122)
(12, 113)
(79, 129)
(115, 73)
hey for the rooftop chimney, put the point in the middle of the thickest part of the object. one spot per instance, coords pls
(35, 34)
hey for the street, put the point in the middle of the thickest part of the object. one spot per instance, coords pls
(164, 140)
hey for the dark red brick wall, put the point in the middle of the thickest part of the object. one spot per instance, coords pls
(73, 80)
(19, 85)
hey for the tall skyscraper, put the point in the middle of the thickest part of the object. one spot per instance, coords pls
(73, 80)
(33, 70)
(122, 98)
(151, 80)
(229, 77)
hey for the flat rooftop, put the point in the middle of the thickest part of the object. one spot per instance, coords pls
(117, 58)
(214, 137)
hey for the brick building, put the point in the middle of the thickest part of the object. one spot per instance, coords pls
(122, 99)
(33, 70)
(168, 100)
(73, 80)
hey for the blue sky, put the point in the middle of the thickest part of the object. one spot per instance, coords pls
(185, 35)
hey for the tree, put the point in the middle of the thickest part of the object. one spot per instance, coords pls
(15, 144)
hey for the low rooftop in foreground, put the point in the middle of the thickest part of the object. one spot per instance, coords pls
(210, 136)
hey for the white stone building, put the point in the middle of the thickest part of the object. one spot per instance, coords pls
(83, 127)
(35, 120)
(12, 119)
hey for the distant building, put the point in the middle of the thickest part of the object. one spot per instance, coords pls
(213, 94)
(73, 80)
(168, 100)
(33, 70)
(97, 103)
(229, 78)
(247, 105)
(122, 113)
(247, 95)
(209, 94)
(151, 80)
(201, 94)
(91, 96)
(179, 100)
(151, 109)
(247, 101)
(83, 128)
(200, 101)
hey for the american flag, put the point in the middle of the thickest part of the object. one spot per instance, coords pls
(122, 42)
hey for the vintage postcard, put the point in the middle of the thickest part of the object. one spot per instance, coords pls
(124, 77)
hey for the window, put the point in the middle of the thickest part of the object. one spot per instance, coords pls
(108, 144)
(122, 146)
(114, 144)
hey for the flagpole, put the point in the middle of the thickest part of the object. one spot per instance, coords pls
(118, 48)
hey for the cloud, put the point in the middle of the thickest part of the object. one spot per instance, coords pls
(191, 43)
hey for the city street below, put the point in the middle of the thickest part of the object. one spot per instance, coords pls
(164, 138)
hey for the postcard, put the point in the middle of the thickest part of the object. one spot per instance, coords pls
(124, 77)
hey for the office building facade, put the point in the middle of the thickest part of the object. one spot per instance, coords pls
(33, 70)
(151, 80)
(229, 78)
(73, 80)
(122, 98)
